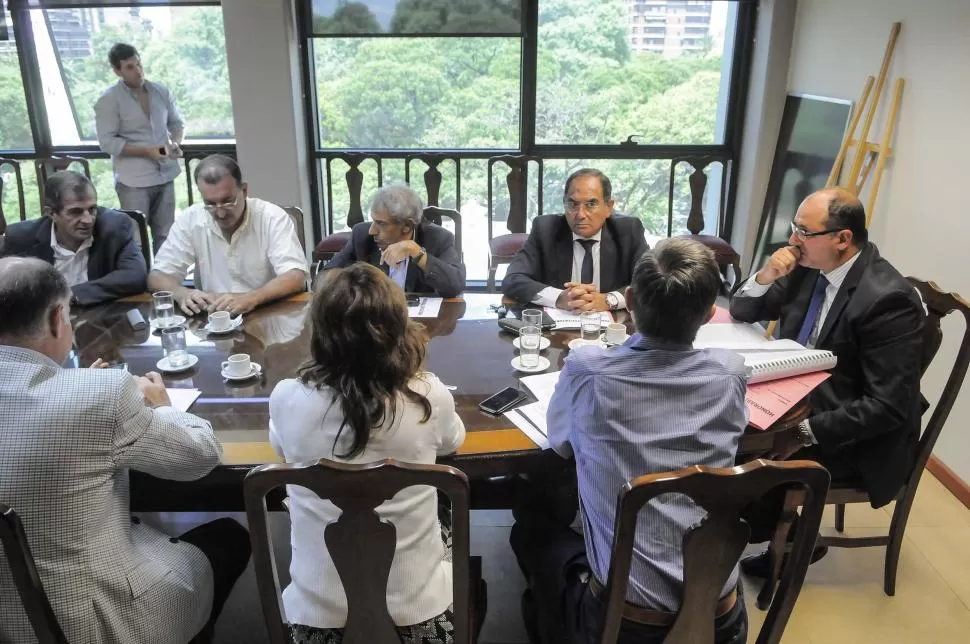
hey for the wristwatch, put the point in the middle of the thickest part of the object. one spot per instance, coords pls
(421, 254)
(802, 433)
(612, 301)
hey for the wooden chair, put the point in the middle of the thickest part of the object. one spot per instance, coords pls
(503, 248)
(45, 167)
(434, 214)
(361, 545)
(712, 548)
(433, 176)
(25, 578)
(296, 215)
(723, 251)
(15, 165)
(939, 304)
(141, 226)
(332, 243)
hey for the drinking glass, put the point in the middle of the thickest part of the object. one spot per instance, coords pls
(589, 325)
(173, 344)
(532, 317)
(529, 340)
(164, 309)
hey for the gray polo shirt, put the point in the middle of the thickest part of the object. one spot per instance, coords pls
(119, 119)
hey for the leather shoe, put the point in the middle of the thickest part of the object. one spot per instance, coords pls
(758, 565)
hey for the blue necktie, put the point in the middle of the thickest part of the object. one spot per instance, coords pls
(586, 270)
(814, 308)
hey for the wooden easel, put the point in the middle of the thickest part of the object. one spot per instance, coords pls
(869, 158)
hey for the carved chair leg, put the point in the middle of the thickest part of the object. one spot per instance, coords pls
(840, 517)
(777, 550)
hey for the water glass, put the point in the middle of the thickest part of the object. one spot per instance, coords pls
(589, 325)
(164, 309)
(173, 344)
(530, 338)
(532, 317)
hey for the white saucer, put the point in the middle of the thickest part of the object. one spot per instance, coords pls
(575, 343)
(544, 343)
(167, 368)
(177, 321)
(542, 366)
(613, 344)
(234, 323)
(256, 370)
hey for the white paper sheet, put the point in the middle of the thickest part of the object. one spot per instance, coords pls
(541, 385)
(428, 307)
(570, 319)
(740, 337)
(534, 434)
(182, 399)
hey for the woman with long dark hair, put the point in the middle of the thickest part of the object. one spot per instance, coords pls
(362, 397)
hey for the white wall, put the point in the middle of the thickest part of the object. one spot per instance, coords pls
(921, 221)
(262, 49)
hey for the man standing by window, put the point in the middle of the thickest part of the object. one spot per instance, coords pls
(140, 127)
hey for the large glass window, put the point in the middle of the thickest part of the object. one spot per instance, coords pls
(14, 125)
(182, 48)
(598, 83)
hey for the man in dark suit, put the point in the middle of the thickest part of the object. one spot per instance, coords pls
(417, 254)
(833, 291)
(582, 260)
(92, 247)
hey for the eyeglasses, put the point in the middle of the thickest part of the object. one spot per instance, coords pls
(575, 206)
(212, 208)
(804, 234)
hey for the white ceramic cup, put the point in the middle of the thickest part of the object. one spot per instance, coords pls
(616, 333)
(238, 365)
(220, 321)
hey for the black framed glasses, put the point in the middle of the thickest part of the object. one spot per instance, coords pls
(801, 233)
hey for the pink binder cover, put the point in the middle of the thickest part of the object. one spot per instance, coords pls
(768, 401)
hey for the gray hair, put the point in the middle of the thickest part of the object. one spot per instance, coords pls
(674, 287)
(64, 184)
(29, 290)
(400, 202)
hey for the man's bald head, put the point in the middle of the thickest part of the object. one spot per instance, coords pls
(30, 289)
(845, 211)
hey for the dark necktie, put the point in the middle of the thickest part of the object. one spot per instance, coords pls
(586, 272)
(814, 309)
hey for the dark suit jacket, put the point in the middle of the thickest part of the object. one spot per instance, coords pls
(444, 273)
(116, 267)
(868, 412)
(547, 257)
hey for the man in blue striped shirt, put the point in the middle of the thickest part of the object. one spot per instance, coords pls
(654, 404)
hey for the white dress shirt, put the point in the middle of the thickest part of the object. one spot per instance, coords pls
(399, 272)
(73, 265)
(549, 295)
(304, 423)
(263, 247)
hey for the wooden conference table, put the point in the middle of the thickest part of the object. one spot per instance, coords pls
(467, 351)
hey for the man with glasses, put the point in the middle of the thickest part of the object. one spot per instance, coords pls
(582, 260)
(833, 291)
(245, 250)
(91, 246)
(140, 127)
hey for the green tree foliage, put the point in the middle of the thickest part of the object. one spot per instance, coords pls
(349, 18)
(457, 16)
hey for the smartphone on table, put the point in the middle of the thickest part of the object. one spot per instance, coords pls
(502, 401)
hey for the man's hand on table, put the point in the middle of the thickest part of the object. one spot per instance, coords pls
(153, 389)
(581, 297)
(235, 303)
(193, 301)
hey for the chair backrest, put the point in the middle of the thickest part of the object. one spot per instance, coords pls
(939, 304)
(360, 544)
(433, 176)
(698, 185)
(518, 185)
(21, 198)
(296, 214)
(712, 548)
(25, 577)
(355, 183)
(434, 214)
(141, 228)
(47, 166)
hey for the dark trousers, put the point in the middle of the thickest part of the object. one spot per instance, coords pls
(763, 515)
(559, 607)
(225, 544)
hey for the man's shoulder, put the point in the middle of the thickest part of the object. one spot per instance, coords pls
(267, 211)
(110, 94)
(730, 363)
(23, 232)
(544, 223)
(883, 280)
(431, 231)
(625, 224)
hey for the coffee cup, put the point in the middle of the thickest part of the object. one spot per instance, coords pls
(616, 333)
(220, 321)
(238, 364)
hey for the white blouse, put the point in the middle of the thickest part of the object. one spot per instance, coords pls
(303, 426)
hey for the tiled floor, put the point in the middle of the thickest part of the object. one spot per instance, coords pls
(842, 600)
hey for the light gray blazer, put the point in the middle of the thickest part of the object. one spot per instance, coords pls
(67, 440)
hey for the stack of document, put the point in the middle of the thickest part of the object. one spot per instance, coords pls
(570, 319)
